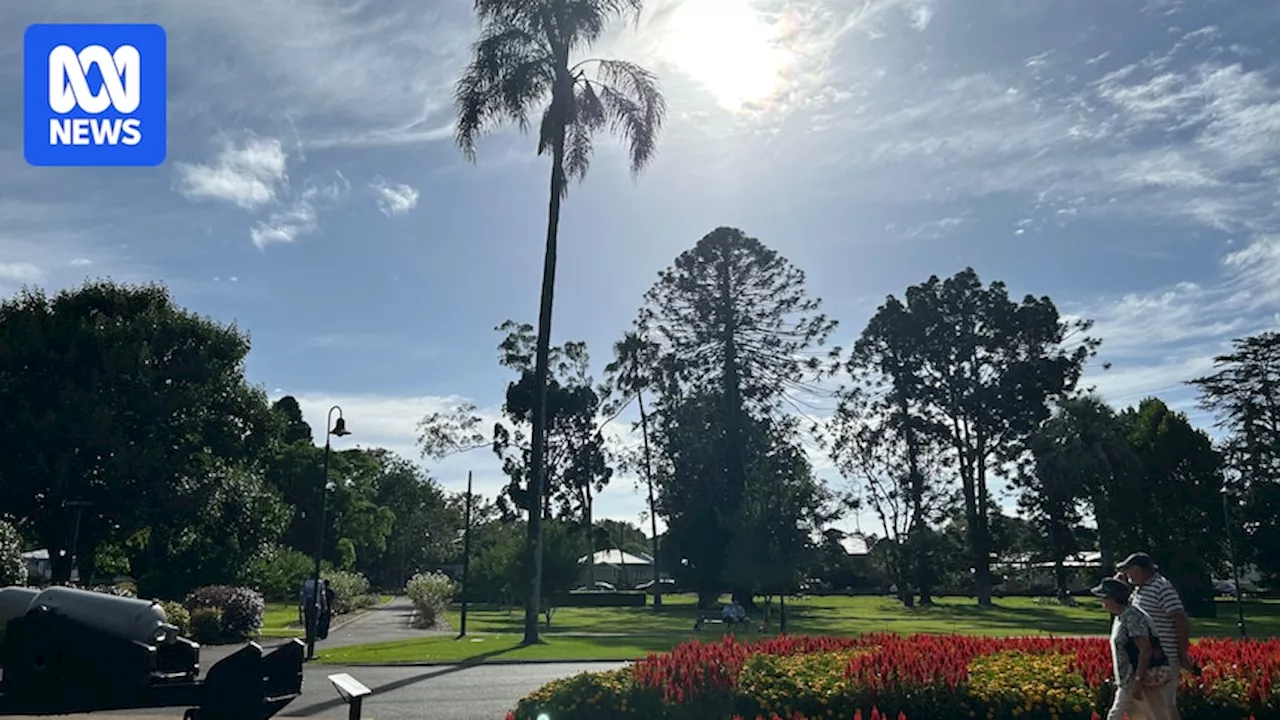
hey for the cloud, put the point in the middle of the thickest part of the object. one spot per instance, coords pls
(253, 175)
(80, 262)
(248, 175)
(1157, 341)
(394, 198)
(20, 272)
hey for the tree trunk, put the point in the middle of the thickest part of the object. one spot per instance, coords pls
(982, 539)
(653, 509)
(537, 455)
(591, 541)
(1106, 538)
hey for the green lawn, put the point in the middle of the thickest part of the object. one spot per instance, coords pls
(633, 632)
(281, 619)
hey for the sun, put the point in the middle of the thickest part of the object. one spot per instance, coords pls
(733, 50)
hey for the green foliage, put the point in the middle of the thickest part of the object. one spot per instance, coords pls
(1243, 393)
(431, 594)
(976, 371)
(351, 591)
(279, 573)
(114, 358)
(206, 625)
(178, 616)
(13, 569)
(1174, 507)
(239, 612)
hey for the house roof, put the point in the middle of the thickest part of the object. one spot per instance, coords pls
(855, 544)
(615, 557)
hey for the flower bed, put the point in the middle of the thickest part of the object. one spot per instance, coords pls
(889, 677)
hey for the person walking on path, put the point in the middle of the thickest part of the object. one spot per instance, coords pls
(1159, 599)
(1141, 669)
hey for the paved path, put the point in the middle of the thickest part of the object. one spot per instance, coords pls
(452, 692)
(389, 621)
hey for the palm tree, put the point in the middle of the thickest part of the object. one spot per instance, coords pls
(631, 373)
(522, 62)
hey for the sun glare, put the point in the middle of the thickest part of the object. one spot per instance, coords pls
(735, 51)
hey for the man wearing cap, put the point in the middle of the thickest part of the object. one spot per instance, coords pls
(1156, 596)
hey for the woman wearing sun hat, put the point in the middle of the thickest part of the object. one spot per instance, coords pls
(1140, 666)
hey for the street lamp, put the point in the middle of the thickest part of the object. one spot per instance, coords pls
(1235, 565)
(77, 507)
(338, 428)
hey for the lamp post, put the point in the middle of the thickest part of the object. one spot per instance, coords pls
(466, 559)
(338, 428)
(77, 507)
(1235, 565)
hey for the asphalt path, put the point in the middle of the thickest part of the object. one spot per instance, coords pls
(446, 692)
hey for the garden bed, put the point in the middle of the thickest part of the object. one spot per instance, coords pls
(895, 677)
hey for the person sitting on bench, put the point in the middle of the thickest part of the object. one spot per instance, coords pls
(731, 615)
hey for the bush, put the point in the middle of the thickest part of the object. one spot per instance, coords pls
(431, 594)
(239, 610)
(177, 616)
(242, 615)
(922, 676)
(279, 573)
(206, 625)
(351, 591)
(13, 569)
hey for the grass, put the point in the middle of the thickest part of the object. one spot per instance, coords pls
(628, 633)
(280, 620)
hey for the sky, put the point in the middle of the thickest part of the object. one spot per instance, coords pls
(1119, 156)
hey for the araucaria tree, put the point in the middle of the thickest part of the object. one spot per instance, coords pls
(523, 61)
(980, 371)
(737, 332)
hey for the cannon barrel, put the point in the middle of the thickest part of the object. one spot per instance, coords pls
(86, 654)
(126, 618)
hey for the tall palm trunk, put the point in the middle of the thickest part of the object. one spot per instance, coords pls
(537, 455)
(653, 510)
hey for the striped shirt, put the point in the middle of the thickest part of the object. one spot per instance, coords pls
(1159, 600)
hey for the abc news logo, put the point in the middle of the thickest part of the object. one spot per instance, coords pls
(94, 95)
(69, 88)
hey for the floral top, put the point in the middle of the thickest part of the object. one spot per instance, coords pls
(1130, 623)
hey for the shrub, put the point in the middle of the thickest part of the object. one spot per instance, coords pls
(209, 596)
(351, 591)
(279, 573)
(242, 615)
(431, 594)
(206, 625)
(177, 616)
(239, 610)
(13, 568)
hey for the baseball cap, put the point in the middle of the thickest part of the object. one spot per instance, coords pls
(1139, 560)
(1117, 590)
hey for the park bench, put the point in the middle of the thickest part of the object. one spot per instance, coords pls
(717, 619)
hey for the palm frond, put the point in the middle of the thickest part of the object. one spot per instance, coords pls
(588, 116)
(510, 72)
(582, 22)
(634, 107)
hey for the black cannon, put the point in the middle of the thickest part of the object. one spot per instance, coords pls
(83, 652)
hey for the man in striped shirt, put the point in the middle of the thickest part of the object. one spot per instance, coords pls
(1157, 597)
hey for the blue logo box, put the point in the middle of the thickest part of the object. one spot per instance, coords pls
(94, 95)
